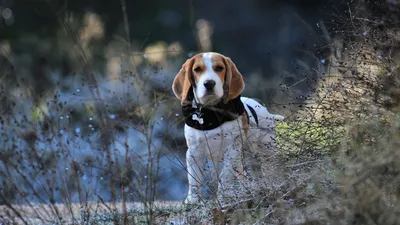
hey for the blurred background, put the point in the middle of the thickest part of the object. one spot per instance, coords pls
(86, 108)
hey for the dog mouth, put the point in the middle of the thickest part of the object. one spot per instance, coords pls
(209, 93)
(209, 98)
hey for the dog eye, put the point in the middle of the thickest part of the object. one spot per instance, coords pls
(219, 68)
(197, 69)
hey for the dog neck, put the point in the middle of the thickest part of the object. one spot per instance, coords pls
(207, 117)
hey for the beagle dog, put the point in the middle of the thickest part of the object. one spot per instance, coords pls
(218, 122)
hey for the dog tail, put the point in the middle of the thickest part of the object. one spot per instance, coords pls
(258, 112)
(277, 117)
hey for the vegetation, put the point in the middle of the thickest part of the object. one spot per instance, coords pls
(91, 134)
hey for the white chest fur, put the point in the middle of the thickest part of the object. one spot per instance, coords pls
(222, 146)
(211, 143)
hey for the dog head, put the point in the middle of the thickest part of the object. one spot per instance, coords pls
(214, 77)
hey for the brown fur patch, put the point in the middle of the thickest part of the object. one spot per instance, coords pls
(234, 83)
(245, 123)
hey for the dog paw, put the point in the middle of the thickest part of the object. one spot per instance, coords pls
(191, 200)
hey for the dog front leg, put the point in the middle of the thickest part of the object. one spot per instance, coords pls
(195, 163)
(231, 173)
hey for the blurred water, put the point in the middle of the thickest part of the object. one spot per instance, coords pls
(69, 150)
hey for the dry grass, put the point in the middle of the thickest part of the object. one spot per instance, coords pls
(89, 213)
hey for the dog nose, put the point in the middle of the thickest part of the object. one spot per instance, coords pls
(209, 84)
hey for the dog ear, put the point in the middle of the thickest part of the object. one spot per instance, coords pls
(234, 83)
(183, 81)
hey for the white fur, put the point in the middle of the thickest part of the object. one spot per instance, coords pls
(201, 91)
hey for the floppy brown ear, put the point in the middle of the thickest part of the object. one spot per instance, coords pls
(234, 83)
(182, 81)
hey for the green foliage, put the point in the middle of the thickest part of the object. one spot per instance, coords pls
(297, 138)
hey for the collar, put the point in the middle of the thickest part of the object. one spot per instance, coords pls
(204, 117)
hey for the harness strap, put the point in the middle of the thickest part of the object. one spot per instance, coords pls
(253, 112)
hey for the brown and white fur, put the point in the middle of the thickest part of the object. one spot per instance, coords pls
(215, 78)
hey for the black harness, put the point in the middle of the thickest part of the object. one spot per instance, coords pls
(204, 117)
